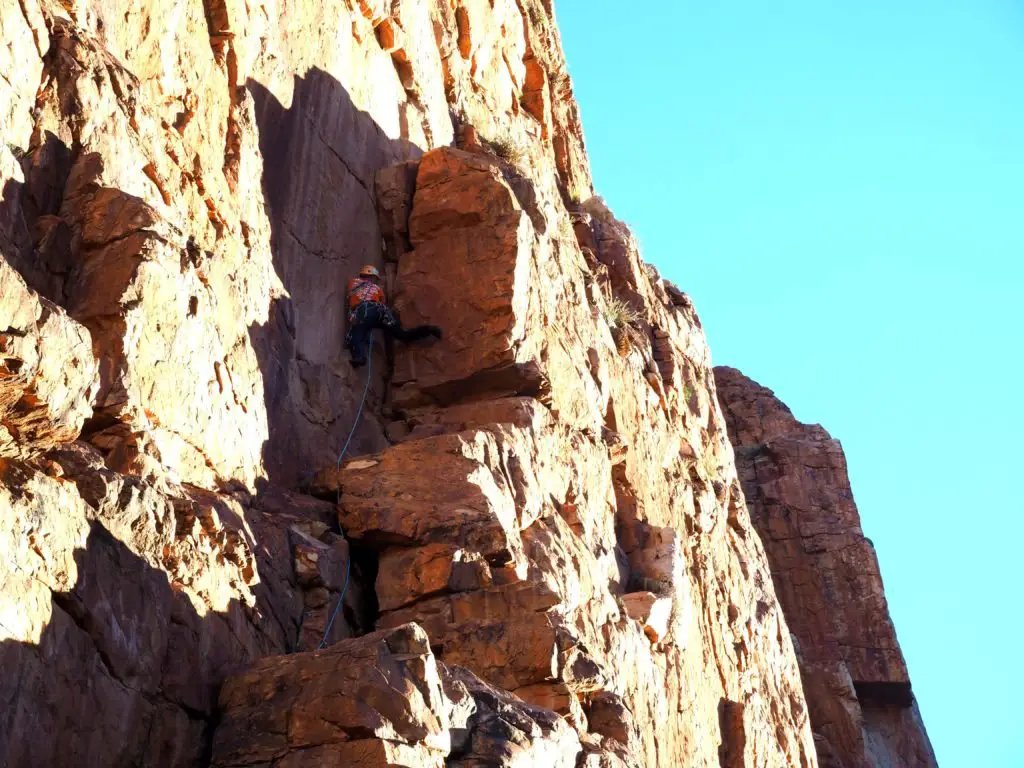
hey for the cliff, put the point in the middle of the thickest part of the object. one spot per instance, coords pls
(826, 575)
(538, 535)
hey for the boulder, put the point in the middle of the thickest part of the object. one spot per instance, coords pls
(381, 700)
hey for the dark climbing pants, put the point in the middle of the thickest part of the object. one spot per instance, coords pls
(370, 316)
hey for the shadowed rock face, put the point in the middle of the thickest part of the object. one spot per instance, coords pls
(124, 604)
(539, 515)
(828, 581)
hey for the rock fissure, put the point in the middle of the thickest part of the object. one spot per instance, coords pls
(337, 155)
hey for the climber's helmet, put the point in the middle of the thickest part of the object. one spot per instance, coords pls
(369, 271)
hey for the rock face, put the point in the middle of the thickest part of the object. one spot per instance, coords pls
(827, 577)
(123, 606)
(47, 371)
(381, 700)
(550, 480)
(537, 550)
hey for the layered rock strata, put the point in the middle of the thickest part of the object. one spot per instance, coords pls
(540, 514)
(827, 577)
(381, 700)
(124, 604)
(549, 480)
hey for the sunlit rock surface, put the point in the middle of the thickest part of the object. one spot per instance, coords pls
(537, 550)
(826, 574)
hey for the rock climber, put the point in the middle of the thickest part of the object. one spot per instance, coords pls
(368, 310)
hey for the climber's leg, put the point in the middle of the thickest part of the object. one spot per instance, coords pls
(358, 338)
(358, 342)
(390, 323)
(370, 316)
(415, 333)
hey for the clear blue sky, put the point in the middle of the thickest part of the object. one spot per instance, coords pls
(839, 185)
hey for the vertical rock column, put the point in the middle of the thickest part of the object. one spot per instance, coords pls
(556, 517)
(827, 577)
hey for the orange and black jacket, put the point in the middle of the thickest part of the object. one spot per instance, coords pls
(361, 289)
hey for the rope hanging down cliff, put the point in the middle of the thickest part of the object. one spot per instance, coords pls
(368, 312)
(337, 467)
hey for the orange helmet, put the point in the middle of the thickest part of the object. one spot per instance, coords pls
(369, 271)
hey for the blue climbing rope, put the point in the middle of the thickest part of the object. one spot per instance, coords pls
(344, 450)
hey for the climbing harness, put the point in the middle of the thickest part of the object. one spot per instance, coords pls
(337, 467)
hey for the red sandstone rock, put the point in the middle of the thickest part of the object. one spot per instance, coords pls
(828, 580)
(483, 473)
(48, 374)
(381, 700)
(125, 604)
(190, 185)
(251, 137)
(505, 731)
(651, 611)
(373, 701)
(408, 575)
